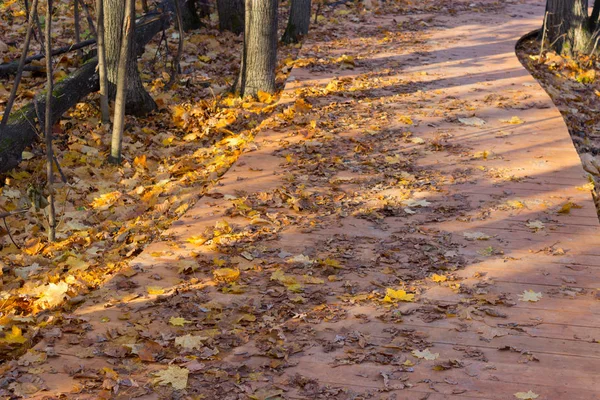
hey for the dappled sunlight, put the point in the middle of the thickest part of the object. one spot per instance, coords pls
(410, 217)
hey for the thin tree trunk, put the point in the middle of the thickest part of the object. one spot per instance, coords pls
(104, 108)
(231, 15)
(177, 59)
(567, 26)
(13, 92)
(138, 101)
(298, 22)
(76, 18)
(119, 117)
(48, 126)
(259, 57)
(88, 16)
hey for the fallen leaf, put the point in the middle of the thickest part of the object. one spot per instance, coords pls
(474, 121)
(536, 225)
(179, 321)
(476, 236)
(530, 295)
(174, 376)
(526, 395)
(190, 341)
(439, 278)
(513, 121)
(14, 336)
(155, 290)
(405, 120)
(425, 354)
(566, 208)
(392, 296)
(226, 274)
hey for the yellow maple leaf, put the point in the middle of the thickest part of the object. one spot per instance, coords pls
(264, 97)
(226, 274)
(15, 336)
(332, 263)
(566, 208)
(218, 262)
(140, 161)
(197, 240)
(392, 296)
(438, 278)
(106, 200)
(301, 106)
(155, 290)
(179, 321)
(405, 119)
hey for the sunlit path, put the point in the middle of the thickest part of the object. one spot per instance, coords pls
(416, 226)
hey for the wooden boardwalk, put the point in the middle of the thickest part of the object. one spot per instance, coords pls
(502, 181)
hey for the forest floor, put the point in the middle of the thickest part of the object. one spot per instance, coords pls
(408, 220)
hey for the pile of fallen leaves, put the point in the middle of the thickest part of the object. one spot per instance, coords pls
(106, 214)
(574, 87)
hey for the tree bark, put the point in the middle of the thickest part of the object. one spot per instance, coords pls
(104, 107)
(21, 129)
(298, 22)
(139, 102)
(567, 26)
(119, 118)
(231, 15)
(259, 57)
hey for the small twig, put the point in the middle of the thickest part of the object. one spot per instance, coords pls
(8, 214)
(77, 28)
(557, 39)
(60, 171)
(11, 213)
(88, 16)
(48, 125)
(544, 33)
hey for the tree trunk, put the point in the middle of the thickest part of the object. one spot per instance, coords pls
(298, 22)
(594, 17)
(138, 101)
(231, 15)
(259, 58)
(567, 26)
(21, 130)
(119, 118)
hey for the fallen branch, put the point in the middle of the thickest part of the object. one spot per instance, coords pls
(11, 68)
